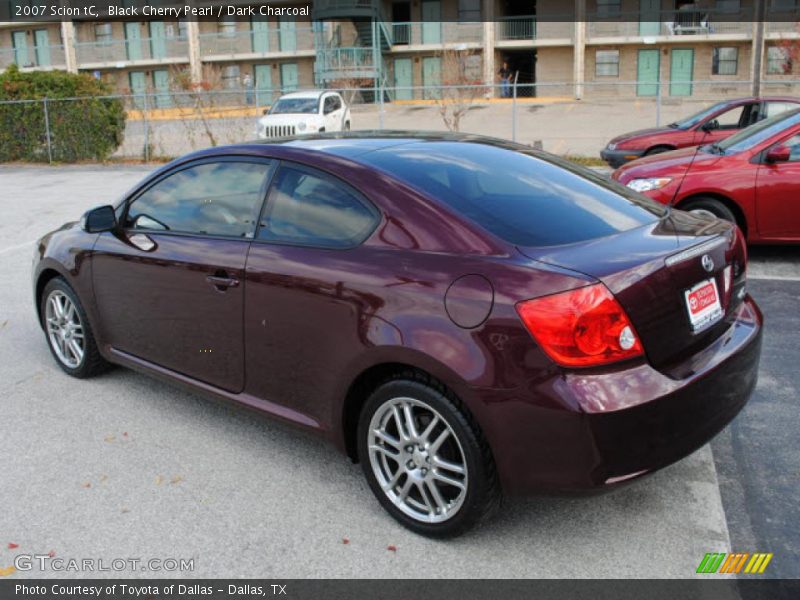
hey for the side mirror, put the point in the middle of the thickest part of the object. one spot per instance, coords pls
(102, 218)
(710, 125)
(265, 111)
(779, 153)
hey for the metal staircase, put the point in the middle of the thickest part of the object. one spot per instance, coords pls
(356, 62)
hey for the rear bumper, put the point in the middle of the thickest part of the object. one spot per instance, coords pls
(617, 158)
(653, 418)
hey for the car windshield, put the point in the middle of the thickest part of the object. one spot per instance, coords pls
(295, 105)
(755, 134)
(696, 118)
(524, 197)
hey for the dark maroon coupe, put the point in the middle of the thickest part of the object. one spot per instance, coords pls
(462, 315)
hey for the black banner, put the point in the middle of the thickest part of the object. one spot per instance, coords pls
(410, 589)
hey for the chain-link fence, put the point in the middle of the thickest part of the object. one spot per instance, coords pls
(164, 124)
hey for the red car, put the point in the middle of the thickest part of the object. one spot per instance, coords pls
(466, 317)
(752, 179)
(710, 125)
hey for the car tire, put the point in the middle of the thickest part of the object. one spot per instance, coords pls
(400, 462)
(710, 207)
(68, 332)
(658, 150)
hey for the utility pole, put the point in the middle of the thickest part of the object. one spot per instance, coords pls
(757, 60)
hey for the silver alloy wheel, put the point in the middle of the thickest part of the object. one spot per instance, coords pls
(702, 212)
(417, 459)
(64, 329)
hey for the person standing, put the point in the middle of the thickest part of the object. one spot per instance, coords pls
(248, 88)
(505, 80)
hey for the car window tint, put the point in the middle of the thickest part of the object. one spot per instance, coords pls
(521, 197)
(336, 103)
(315, 210)
(222, 198)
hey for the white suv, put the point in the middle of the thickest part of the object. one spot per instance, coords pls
(302, 113)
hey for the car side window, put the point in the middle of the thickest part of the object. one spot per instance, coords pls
(309, 208)
(217, 198)
(330, 105)
(776, 108)
(730, 119)
(336, 103)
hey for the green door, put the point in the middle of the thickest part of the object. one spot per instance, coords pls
(263, 84)
(288, 77)
(42, 47)
(649, 17)
(647, 72)
(681, 72)
(138, 87)
(403, 79)
(287, 34)
(20, 48)
(133, 40)
(260, 33)
(161, 85)
(158, 41)
(431, 22)
(431, 75)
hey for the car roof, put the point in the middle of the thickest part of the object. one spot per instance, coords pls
(307, 94)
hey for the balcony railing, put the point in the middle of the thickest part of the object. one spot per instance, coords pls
(516, 28)
(148, 49)
(289, 39)
(670, 23)
(51, 55)
(783, 26)
(436, 32)
(345, 61)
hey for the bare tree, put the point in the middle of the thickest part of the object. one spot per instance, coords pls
(350, 87)
(197, 96)
(461, 85)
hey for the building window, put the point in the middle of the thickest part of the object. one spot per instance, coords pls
(608, 8)
(103, 33)
(783, 5)
(725, 61)
(728, 6)
(778, 61)
(469, 10)
(230, 77)
(606, 63)
(227, 27)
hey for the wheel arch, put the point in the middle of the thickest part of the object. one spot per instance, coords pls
(741, 220)
(45, 276)
(663, 147)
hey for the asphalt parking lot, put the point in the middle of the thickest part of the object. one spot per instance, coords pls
(123, 466)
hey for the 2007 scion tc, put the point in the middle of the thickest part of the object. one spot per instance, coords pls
(464, 316)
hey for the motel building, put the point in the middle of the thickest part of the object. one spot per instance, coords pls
(579, 48)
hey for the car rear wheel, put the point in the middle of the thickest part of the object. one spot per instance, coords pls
(710, 207)
(69, 335)
(424, 458)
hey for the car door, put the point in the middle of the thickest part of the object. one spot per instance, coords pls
(169, 282)
(333, 113)
(304, 310)
(778, 194)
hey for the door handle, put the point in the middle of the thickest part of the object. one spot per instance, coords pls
(222, 283)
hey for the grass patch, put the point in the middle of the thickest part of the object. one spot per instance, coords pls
(586, 161)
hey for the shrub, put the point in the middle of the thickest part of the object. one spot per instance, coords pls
(83, 124)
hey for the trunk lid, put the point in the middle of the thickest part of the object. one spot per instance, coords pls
(649, 269)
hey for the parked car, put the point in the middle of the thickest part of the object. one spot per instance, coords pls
(710, 125)
(304, 113)
(464, 316)
(751, 178)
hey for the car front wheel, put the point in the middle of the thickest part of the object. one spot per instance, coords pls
(425, 459)
(710, 207)
(69, 335)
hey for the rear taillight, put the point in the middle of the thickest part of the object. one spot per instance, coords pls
(585, 327)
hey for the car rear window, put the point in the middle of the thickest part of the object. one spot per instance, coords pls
(525, 199)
